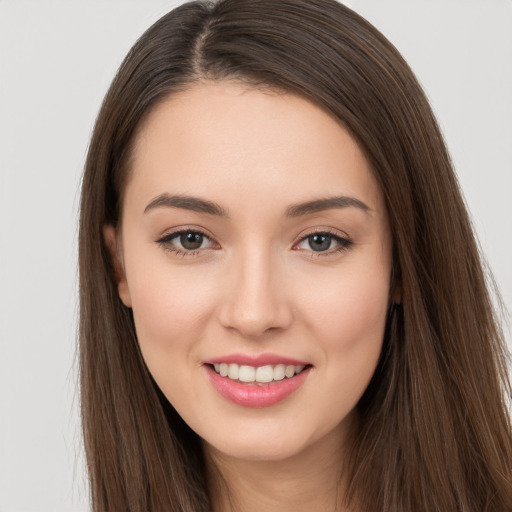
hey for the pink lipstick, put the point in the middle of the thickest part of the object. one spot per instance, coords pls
(261, 360)
(259, 381)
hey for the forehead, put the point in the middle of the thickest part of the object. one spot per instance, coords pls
(236, 142)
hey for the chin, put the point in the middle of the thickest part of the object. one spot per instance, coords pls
(268, 443)
(257, 450)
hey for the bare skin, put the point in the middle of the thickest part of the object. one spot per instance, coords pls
(292, 258)
(311, 480)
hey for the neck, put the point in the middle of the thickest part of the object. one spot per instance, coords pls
(310, 480)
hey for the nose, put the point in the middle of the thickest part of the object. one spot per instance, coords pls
(255, 301)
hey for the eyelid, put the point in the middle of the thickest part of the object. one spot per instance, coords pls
(168, 235)
(343, 240)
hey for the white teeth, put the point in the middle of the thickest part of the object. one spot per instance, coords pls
(289, 371)
(279, 372)
(260, 374)
(247, 374)
(264, 374)
(233, 371)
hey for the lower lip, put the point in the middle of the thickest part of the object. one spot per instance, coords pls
(256, 395)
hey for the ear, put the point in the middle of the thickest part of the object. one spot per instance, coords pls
(111, 241)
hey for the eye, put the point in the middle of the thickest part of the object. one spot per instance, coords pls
(191, 241)
(324, 242)
(185, 242)
(319, 242)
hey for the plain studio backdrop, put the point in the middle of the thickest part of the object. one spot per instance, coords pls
(57, 60)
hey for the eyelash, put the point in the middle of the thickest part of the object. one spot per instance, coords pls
(165, 242)
(344, 243)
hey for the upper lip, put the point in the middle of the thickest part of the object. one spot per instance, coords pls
(256, 361)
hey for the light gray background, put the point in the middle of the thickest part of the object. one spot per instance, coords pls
(57, 59)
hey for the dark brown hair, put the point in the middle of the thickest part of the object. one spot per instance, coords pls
(435, 433)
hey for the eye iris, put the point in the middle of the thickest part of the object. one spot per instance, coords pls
(319, 242)
(191, 241)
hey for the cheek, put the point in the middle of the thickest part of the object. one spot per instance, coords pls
(347, 308)
(171, 309)
(348, 317)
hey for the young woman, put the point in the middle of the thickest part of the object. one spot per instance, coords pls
(282, 303)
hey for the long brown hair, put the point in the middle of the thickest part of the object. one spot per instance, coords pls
(435, 433)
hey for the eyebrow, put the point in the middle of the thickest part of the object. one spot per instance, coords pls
(187, 203)
(209, 207)
(320, 205)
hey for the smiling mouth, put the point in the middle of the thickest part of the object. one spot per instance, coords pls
(257, 386)
(257, 374)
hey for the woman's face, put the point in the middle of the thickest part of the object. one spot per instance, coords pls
(254, 241)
